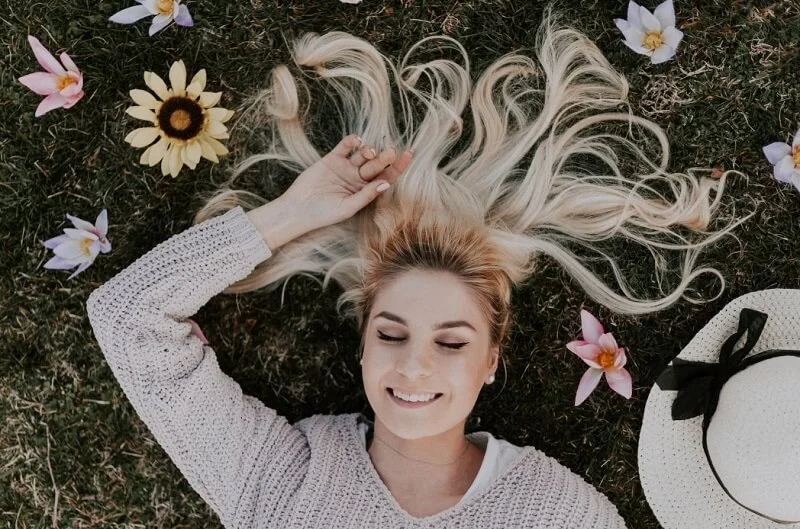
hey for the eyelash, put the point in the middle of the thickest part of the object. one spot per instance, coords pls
(393, 339)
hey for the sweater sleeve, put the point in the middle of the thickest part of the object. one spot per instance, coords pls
(232, 449)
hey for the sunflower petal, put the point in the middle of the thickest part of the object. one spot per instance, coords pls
(216, 146)
(175, 160)
(200, 79)
(209, 99)
(177, 77)
(219, 114)
(158, 151)
(144, 98)
(141, 113)
(142, 137)
(206, 150)
(157, 85)
(193, 152)
(217, 130)
(165, 162)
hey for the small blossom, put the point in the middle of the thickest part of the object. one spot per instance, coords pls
(184, 119)
(351, 1)
(162, 11)
(79, 246)
(61, 82)
(600, 352)
(786, 159)
(653, 34)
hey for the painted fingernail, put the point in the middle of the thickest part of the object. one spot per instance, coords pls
(382, 187)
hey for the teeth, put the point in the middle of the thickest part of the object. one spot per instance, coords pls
(419, 397)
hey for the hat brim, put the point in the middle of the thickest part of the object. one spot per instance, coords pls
(677, 480)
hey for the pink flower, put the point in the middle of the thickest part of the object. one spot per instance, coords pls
(600, 351)
(786, 160)
(62, 82)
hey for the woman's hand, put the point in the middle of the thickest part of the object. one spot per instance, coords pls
(343, 182)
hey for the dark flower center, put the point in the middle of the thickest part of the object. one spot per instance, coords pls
(181, 117)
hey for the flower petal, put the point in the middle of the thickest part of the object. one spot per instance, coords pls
(649, 21)
(796, 180)
(218, 147)
(775, 152)
(622, 24)
(207, 152)
(72, 249)
(209, 99)
(157, 151)
(144, 98)
(588, 382)
(587, 351)
(69, 64)
(79, 235)
(80, 223)
(672, 37)
(193, 152)
(58, 263)
(42, 83)
(157, 85)
(607, 342)
(620, 381)
(44, 57)
(49, 103)
(796, 140)
(141, 113)
(662, 54)
(183, 18)
(633, 15)
(130, 15)
(55, 241)
(81, 268)
(665, 13)
(638, 48)
(219, 114)
(591, 327)
(217, 130)
(784, 170)
(70, 102)
(142, 137)
(159, 23)
(177, 77)
(165, 161)
(101, 223)
(620, 359)
(175, 160)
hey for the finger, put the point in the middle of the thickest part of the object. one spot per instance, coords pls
(362, 155)
(369, 170)
(346, 146)
(357, 201)
(392, 172)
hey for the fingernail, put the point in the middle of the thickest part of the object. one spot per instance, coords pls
(382, 187)
(372, 152)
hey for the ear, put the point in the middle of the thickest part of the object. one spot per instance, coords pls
(494, 356)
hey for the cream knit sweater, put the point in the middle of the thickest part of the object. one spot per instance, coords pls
(248, 463)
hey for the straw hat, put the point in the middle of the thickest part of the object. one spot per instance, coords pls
(720, 439)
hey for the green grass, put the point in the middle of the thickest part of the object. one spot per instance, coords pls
(69, 437)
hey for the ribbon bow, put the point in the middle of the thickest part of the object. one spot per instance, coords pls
(699, 383)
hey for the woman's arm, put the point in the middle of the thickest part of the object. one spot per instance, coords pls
(227, 445)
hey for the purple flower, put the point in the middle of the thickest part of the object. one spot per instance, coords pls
(79, 246)
(162, 11)
(786, 160)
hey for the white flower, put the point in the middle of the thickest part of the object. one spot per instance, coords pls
(652, 34)
(786, 160)
(163, 11)
(80, 246)
(351, 1)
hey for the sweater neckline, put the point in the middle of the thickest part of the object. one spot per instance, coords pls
(366, 463)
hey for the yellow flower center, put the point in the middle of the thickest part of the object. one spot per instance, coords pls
(165, 7)
(64, 81)
(653, 40)
(796, 156)
(180, 119)
(606, 359)
(85, 244)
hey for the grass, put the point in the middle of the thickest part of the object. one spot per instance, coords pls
(70, 440)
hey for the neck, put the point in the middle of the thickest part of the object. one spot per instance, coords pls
(443, 465)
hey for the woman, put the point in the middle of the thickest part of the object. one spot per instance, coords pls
(427, 268)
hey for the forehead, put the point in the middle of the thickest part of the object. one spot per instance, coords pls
(428, 297)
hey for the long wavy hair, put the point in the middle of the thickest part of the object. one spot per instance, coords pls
(549, 161)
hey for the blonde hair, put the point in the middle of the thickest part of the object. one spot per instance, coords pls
(485, 208)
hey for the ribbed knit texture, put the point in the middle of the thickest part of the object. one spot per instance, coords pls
(249, 464)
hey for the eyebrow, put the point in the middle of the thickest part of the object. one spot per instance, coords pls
(438, 326)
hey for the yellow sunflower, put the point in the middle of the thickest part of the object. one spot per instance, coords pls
(185, 121)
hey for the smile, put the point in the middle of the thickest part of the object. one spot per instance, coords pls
(406, 404)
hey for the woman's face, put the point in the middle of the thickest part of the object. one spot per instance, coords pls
(420, 361)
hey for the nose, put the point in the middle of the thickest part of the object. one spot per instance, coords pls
(415, 362)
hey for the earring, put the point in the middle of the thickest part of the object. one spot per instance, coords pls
(490, 379)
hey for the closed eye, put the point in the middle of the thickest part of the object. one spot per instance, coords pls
(388, 338)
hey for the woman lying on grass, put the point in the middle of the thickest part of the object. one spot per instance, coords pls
(427, 268)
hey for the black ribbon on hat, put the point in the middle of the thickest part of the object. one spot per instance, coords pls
(699, 383)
